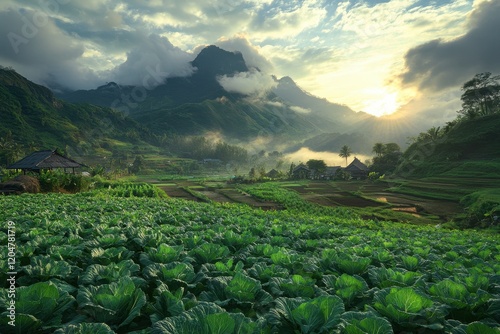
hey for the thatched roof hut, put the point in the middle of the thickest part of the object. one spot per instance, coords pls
(45, 160)
(357, 169)
(301, 172)
(273, 174)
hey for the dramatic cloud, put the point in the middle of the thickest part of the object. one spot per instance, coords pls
(440, 64)
(37, 48)
(153, 58)
(347, 51)
(289, 20)
(247, 83)
(251, 54)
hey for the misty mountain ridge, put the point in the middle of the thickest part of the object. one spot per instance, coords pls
(33, 117)
(283, 114)
(198, 104)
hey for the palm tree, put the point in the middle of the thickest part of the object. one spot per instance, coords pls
(345, 152)
(434, 133)
(378, 149)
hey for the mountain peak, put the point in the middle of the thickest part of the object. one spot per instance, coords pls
(214, 60)
(111, 86)
(286, 80)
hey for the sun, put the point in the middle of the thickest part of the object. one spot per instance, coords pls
(384, 104)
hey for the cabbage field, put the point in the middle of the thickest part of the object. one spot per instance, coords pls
(112, 262)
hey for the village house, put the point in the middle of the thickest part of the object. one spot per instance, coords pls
(330, 172)
(45, 160)
(273, 174)
(301, 171)
(357, 169)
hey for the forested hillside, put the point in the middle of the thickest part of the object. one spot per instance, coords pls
(32, 118)
(467, 146)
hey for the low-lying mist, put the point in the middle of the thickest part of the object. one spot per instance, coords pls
(331, 158)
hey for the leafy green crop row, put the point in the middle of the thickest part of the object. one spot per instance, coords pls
(90, 264)
(271, 191)
(125, 189)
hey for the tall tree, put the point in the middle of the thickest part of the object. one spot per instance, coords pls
(290, 171)
(378, 149)
(345, 152)
(252, 173)
(318, 165)
(388, 160)
(434, 133)
(481, 95)
(391, 148)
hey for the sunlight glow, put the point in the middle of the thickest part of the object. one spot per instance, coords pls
(385, 104)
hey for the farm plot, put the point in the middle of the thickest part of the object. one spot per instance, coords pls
(238, 196)
(323, 193)
(216, 194)
(94, 263)
(176, 191)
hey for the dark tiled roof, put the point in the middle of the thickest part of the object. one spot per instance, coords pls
(300, 167)
(273, 173)
(44, 160)
(357, 165)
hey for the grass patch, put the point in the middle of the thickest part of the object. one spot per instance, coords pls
(483, 208)
(196, 187)
(292, 184)
(431, 190)
(196, 194)
(387, 214)
(484, 169)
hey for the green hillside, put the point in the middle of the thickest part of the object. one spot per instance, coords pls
(231, 117)
(32, 118)
(460, 163)
(471, 148)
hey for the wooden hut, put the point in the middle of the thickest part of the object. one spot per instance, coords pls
(45, 160)
(273, 174)
(330, 172)
(357, 169)
(301, 172)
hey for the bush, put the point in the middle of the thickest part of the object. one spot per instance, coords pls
(373, 176)
(483, 208)
(126, 189)
(56, 181)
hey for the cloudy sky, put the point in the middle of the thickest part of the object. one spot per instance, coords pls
(378, 56)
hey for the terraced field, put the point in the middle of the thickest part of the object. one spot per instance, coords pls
(192, 190)
(356, 194)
